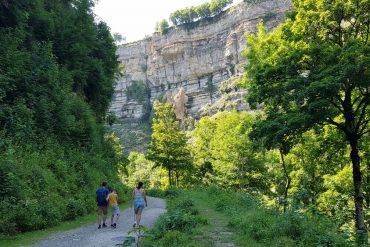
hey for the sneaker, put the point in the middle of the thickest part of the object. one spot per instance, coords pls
(104, 225)
(134, 224)
(111, 225)
(99, 226)
(114, 225)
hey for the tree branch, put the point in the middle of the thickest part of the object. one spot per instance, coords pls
(364, 101)
(364, 125)
(363, 112)
(338, 125)
(337, 106)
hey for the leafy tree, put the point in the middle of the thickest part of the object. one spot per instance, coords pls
(314, 69)
(205, 10)
(168, 147)
(57, 71)
(223, 151)
(162, 26)
(141, 169)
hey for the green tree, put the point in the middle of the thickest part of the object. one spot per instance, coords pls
(223, 151)
(162, 26)
(57, 71)
(314, 69)
(168, 147)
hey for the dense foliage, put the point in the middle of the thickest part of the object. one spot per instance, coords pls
(205, 10)
(137, 91)
(168, 148)
(162, 26)
(314, 70)
(57, 70)
(223, 152)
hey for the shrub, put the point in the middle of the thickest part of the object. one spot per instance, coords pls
(162, 26)
(75, 208)
(137, 91)
(156, 193)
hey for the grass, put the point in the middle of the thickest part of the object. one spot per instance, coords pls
(240, 219)
(36, 236)
(217, 229)
(207, 226)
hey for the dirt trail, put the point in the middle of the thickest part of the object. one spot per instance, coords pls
(91, 236)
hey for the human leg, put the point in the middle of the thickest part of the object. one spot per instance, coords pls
(105, 213)
(100, 211)
(138, 217)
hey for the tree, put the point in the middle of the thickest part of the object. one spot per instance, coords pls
(168, 147)
(315, 69)
(223, 151)
(162, 26)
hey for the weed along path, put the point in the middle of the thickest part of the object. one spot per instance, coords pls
(91, 236)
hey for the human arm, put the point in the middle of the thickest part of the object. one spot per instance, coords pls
(144, 195)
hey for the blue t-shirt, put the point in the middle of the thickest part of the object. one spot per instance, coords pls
(101, 195)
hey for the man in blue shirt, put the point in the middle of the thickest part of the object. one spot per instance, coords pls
(102, 202)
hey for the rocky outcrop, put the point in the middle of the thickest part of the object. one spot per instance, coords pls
(197, 59)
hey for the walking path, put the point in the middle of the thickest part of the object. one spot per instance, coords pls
(91, 236)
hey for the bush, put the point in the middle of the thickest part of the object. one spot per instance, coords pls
(267, 226)
(155, 193)
(75, 208)
(58, 184)
(162, 26)
(137, 91)
(182, 216)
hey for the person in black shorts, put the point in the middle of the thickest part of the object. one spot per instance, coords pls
(102, 203)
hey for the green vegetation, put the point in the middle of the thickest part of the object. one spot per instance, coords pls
(312, 71)
(223, 152)
(57, 71)
(162, 26)
(242, 217)
(205, 10)
(295, 174)
(314, 180)
(137, 91)
(168, 148)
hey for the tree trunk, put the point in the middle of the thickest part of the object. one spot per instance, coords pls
(287, 180)
(358, 195)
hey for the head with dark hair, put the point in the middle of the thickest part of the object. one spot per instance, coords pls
(104, 184)
(140, 185)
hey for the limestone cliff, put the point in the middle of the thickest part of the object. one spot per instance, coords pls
(198, 59)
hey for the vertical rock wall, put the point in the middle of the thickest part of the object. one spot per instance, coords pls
(197, 58)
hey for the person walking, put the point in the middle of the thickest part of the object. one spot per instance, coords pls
(102, 203)
(139, 202)
(113, 202)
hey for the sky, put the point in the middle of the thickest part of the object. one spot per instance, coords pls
(134, 19)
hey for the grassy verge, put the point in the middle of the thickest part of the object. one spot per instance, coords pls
(36, 236)
(189, 222)
(239, 219)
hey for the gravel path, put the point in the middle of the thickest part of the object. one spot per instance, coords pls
(91, 236)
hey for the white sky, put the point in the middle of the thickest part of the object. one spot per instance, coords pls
(134, 19)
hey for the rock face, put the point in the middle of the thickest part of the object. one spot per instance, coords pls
(198, 59)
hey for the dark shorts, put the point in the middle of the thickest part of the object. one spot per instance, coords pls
(102, 210)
